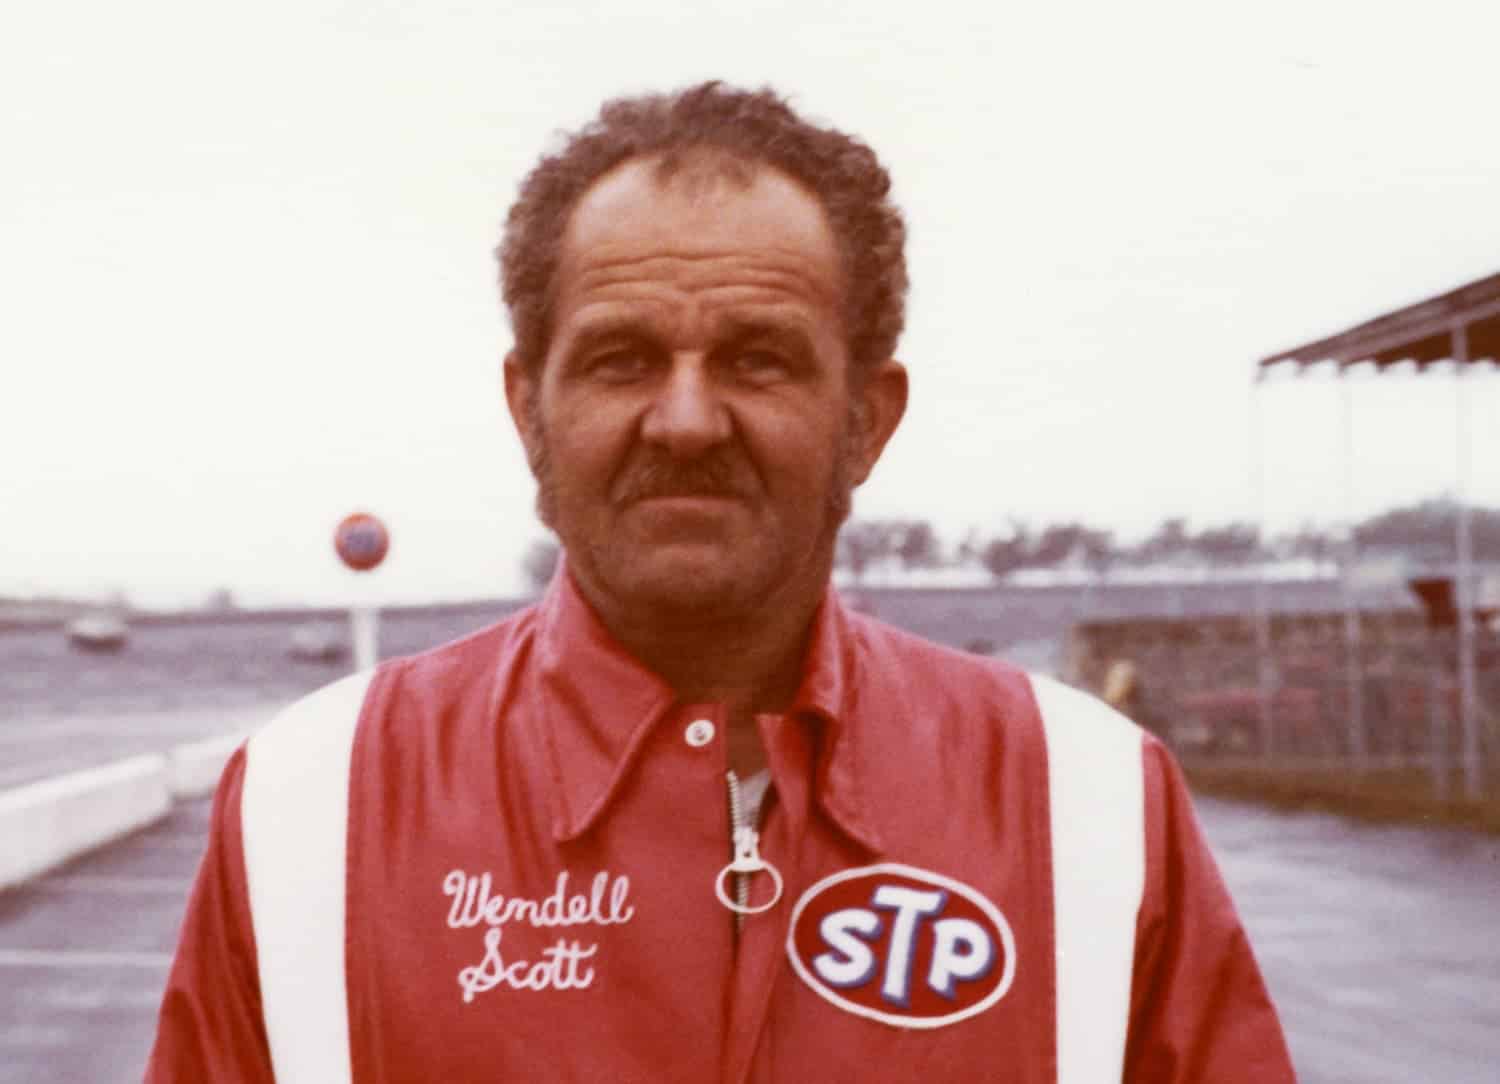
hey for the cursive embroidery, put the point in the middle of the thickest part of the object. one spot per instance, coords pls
(473, 905)
(606, 903)
(556, 970)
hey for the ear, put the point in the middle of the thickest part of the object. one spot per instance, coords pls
(881, 397)
(520, 393)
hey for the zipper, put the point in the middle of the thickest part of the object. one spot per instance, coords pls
(744, 861)
(737, 825)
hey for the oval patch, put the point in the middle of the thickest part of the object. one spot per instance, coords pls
(901, 945)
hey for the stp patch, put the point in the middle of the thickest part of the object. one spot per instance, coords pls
(902, 945)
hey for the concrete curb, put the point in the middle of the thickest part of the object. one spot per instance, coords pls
(193, 770)
(43, 824)
(46, 823)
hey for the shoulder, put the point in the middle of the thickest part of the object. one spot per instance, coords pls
(324, 722)
(1070, 715)
(314, 723)
(1095, 764)
(906, 667)
(460, 664)
(296, 778)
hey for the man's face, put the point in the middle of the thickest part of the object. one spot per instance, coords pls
(695, 428)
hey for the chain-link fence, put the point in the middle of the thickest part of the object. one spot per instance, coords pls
(1320, 696)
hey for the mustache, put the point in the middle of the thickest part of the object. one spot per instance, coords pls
(715, 475)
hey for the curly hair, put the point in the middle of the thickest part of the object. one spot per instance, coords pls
(747, 128)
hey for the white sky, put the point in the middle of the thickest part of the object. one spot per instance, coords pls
(245, 256)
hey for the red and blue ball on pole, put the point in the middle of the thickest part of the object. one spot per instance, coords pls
(362, 541)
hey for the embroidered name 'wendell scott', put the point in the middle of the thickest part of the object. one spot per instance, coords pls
(563, 965)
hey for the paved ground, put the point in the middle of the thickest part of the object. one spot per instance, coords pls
(1378, 943)
(84, 956)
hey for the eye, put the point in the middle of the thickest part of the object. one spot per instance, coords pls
(760, 365)
(619, 366)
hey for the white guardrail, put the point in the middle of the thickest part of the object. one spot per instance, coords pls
(44, 824)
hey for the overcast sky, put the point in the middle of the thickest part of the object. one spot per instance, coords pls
(245, 252)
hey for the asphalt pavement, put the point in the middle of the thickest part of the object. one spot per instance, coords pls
(1378, 941)
(84, 954)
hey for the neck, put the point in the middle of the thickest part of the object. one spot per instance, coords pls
(750, 666)
(749, 662)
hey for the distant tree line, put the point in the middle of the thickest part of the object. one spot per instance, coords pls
(866, 542)
(1424, 530)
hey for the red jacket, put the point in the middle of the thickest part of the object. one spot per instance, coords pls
(496, 862)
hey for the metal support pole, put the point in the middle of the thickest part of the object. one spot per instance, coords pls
(1463, 579)
(1355, 723)
(1265, 676)
(1437, 725)
(364, 630)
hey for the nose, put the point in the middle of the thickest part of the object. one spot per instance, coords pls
(687, 416)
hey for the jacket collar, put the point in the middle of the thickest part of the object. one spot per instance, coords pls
(599, 705)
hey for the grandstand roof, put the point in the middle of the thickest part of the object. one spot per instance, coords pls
(1465, 321)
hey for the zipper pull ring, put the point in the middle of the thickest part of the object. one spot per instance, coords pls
(747, 860)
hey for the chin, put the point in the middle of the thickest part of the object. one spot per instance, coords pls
(699, 581)
(690, 583)
(697, 592)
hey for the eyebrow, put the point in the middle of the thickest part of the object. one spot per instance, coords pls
(740, 327)
(611, 326)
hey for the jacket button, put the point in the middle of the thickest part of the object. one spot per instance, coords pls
(699, 733)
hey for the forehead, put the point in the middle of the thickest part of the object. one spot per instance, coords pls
(702, 231)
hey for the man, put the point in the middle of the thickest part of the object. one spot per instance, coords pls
(690, 818)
